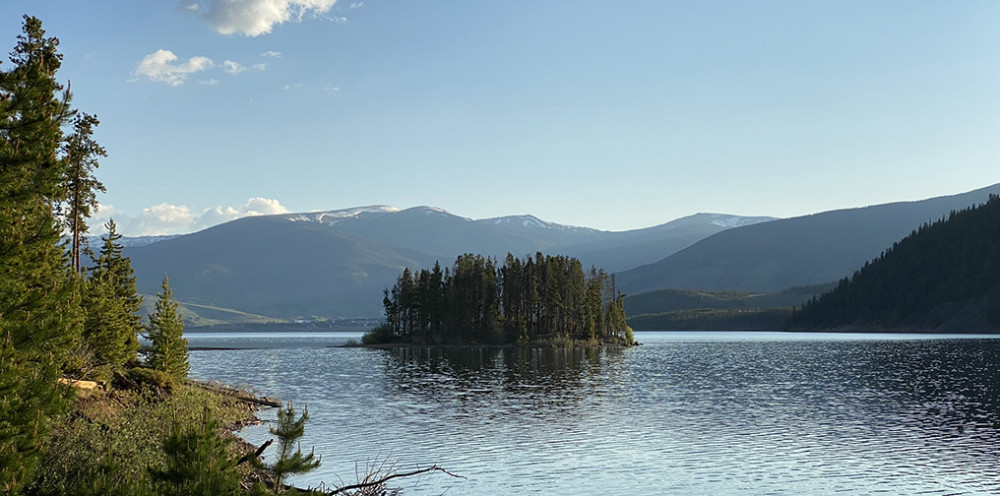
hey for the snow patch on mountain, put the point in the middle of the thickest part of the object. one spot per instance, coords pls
(731, 221)
(334, 217)
(532, 222)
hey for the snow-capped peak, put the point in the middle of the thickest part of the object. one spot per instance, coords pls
(333, 217)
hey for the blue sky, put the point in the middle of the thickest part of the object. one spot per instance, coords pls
(613, 115)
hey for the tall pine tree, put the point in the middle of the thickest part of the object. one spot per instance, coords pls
(80, 187)
(39, 306)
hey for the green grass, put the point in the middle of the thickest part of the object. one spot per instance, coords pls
(108, 442)
(197, 315)
(713, 319)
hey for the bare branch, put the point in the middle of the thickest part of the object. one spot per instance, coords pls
(383, 480)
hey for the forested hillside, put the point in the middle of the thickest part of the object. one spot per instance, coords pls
(945, 277)
(801, 251)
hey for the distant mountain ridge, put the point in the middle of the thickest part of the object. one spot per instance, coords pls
(336, 263)
(800, 251)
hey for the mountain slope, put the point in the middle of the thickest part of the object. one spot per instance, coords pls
(944, 277)
(800, 251)
(335, 264)
(627, 249)
(270, 266)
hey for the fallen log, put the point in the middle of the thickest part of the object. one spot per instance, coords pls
(79, 384)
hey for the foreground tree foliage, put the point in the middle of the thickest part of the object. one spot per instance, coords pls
(39, 302)
(291, 460)
(198, 462)
(476, 301)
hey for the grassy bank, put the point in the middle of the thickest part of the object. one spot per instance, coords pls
(114, 442)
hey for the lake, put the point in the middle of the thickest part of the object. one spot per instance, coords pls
(685, 414)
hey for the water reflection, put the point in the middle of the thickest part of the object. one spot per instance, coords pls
(744, 416)
(533, 381)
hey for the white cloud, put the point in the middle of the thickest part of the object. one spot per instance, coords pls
(209, 82)
(179, 219)
(233, 68)
(357, 5)
(162, 66)
(272, 54)
(258, 17)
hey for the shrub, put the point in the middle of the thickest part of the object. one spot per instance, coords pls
(150, 377)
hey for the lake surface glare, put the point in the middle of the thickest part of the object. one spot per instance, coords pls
(685, 414)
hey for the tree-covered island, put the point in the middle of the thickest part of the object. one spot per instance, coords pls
(478, 301)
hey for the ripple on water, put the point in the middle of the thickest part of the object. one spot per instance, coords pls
(723, 417)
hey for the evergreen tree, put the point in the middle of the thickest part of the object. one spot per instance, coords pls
(289, 431)
(169, 349)
(39, 306)
(480, 302)
(198, 463)
(80, 153)
(113, 302)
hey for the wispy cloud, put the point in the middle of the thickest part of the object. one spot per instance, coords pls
(258, 17)
(179, 219)
(271, 54)
(233, 68)
(163, 66)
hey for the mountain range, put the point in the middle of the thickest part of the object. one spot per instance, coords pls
(799, 251)
(335, 264)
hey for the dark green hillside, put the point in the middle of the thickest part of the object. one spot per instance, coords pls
(270, 266)
(801, 251)
(669, 300)
(688, 309)
(944, 276)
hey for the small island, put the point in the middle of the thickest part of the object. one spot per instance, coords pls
(545, 299)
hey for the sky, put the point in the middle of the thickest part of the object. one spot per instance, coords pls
(610, 115)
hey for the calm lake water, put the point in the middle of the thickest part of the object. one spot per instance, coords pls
(686, 414)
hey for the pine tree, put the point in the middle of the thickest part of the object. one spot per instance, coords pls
(80, 153)
(169, 349)
(289, 431)
(198, 463)
(113, 302)
(39, 306)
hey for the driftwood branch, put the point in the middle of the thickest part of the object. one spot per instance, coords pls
(255, 456)
(383, 480)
